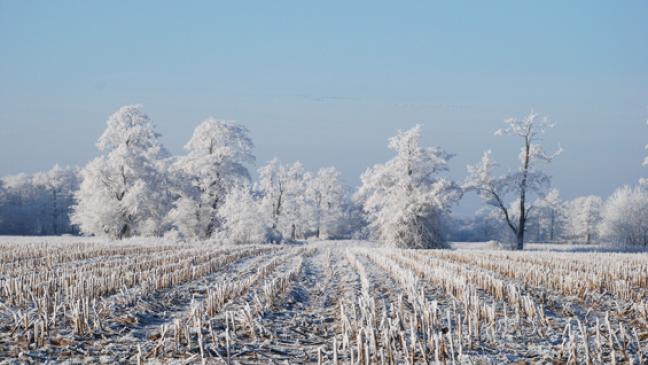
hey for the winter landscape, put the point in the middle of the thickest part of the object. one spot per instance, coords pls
(348, 204)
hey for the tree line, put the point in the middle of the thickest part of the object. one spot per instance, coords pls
(135, 187)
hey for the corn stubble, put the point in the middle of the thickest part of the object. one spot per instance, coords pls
(333, 303)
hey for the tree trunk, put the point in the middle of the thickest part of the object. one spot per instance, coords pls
(123, 232)
(54, 213)
(553, 224)
(523, 185)
(319, 214)
(520, 238)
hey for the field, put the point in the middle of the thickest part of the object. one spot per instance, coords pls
(344, 302)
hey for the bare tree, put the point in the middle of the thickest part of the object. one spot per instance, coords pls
(520, 183)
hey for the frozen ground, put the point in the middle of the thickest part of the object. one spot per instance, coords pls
(87, 301)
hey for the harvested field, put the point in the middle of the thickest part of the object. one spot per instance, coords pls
(344, 302)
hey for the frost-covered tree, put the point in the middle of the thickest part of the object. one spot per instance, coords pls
(405, 198)
(353, 224)
(326, 195)
(38, 203)
(22, 208)
(527, 179)
(218, 155)
(272, 186)
(59, 185)
(485, 225)
(493, 225)
(644, 181)
(124, 191)
(3, 202)
(584, 217)
(284, 200)
(625, 216)
(242, 218)
(550, 214)
(298, 216)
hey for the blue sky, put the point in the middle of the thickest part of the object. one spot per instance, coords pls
(327, 83)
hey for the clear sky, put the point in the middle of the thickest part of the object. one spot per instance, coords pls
(328, 82)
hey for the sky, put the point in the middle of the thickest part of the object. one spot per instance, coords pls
(327, 83)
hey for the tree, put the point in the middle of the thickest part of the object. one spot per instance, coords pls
(3, 202)
(405, 198)
(550, 213)
(272, 187)
(644, 181)
(625, 216)
(492, 224)
(326, 194)
(218, 155)
(527, 179)
(584, 217)
(298, 215)
(284, 202)
(485, 225)
(353, 224)
(124, 191)
(59, 185)
(242, 219)
(38, 203)
(22, 209)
